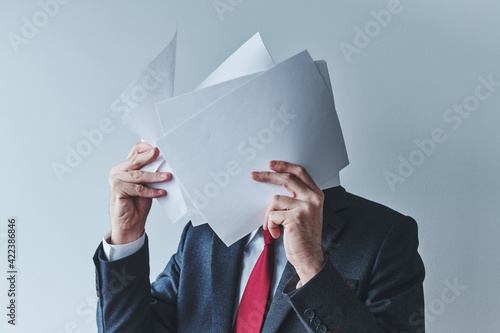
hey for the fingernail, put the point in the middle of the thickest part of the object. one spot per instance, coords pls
(160, 192)
(255, 174)
(164, 176)
(272, 164)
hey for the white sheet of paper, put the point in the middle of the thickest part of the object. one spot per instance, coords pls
(323, 70)
(247, 60)
(175, 111)
(136, 105)
(270, 117)
(250, 58)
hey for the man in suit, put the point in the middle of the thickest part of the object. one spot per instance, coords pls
(340, 263)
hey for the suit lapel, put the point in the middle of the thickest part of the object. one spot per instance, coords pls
(226, 269)
(335, 199)
(279, 306)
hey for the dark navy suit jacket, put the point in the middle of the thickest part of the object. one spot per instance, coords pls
(371, 281)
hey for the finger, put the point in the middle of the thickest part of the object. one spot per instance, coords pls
(138, 190)
(284, 202)
(139, 147)
(281, 202)
(276, 218)
(143, 177)
(291, 183)
(298, 171)
(139, 157)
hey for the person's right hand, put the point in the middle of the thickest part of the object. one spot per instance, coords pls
(130, 199)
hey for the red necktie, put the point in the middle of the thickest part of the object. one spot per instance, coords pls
(256, 297)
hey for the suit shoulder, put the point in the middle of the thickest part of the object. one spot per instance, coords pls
(198, 234)
(360, 203)
(373, 215)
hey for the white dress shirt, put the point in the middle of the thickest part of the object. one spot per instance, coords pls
(251, 254)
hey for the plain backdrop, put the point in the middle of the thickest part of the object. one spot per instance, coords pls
(392, 89)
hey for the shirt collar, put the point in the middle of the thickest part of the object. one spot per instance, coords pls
(253, 236)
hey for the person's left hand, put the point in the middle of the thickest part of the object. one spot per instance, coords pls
(300, 214)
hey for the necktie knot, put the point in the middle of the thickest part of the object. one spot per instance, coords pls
(268, 239)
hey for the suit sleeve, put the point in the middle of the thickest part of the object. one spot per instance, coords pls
(127, 301)
(394, 294)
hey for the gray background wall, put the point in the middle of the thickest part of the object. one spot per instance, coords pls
(393, 91)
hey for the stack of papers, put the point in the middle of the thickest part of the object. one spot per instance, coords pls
(248, 112)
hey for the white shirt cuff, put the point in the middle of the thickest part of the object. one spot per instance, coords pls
(116, 252)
